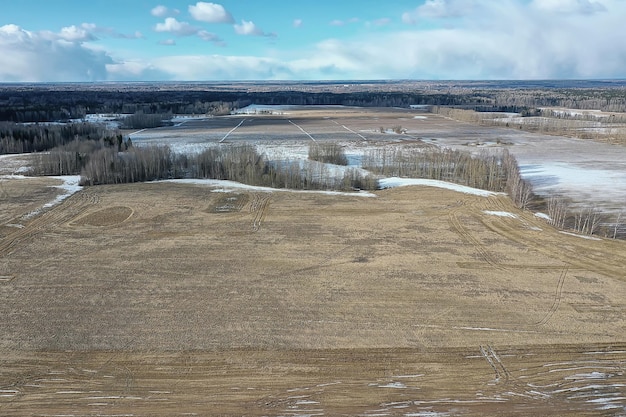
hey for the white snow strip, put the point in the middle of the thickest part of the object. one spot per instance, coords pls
(232, 130)
(500, 214)
(352, 131)
(543, 216)
(403, 182)
(70, 185)
(581, 236)
(398, 385)
(134, 133)
(303, 131)
(12, 177)
(229, 186)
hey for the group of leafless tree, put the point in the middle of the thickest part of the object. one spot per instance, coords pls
(328, 152)
(498, 173)
(586, 220)
(100, 162)
(585, 126)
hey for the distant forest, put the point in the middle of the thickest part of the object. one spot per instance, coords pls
(59, 102)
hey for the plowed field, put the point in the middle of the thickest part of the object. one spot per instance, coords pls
(166, 299)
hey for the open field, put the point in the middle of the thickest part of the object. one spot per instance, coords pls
(587, 172)
(182, 299)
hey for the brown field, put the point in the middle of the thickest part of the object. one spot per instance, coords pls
(169, 299)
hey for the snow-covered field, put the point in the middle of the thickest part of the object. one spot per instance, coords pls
(584, 171)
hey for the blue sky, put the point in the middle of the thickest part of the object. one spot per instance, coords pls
(114, 40)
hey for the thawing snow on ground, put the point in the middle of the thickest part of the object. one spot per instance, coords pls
(70, 186)
(402, 182)
(570, 179)
(229, 186)
(500, 214)
(543, 216)
(13, 163)
(580, 236)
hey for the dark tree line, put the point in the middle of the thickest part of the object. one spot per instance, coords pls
(25, 138)
(56, 102)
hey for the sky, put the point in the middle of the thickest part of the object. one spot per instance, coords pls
(187, 40)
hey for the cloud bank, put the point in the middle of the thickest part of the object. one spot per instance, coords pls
(441, 39)
(47, 56)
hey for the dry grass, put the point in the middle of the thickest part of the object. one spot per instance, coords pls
(164, 299)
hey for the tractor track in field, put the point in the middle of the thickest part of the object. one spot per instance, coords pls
(558, 297)
(466, 235)
(47, 219)
(259, 207)
(575, 254)
(501, 373)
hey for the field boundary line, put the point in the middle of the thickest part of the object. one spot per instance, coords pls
(352, 131)
(303, 131)
(232, 130)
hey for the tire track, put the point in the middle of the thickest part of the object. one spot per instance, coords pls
(458, 227)
(53, 216)
(495, 362)
(574, 255)
(259, 206)
(557, 299)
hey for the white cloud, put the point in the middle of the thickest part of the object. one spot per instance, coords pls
(569, 6)
(162, 11)
(210, 13)
(507, 39)
(171, 25)
(38, 56)
(297, 23)
(75, 34)
(249, 28)
(211, 37)
(167, 42)
(442, 9)
(220, 67)
(93, 28)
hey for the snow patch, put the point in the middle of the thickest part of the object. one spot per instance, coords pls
(393, 182)
(543, 216)
(229, 186)
(580, 236)
(70, 186)
(396, 385)
(500, 214)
